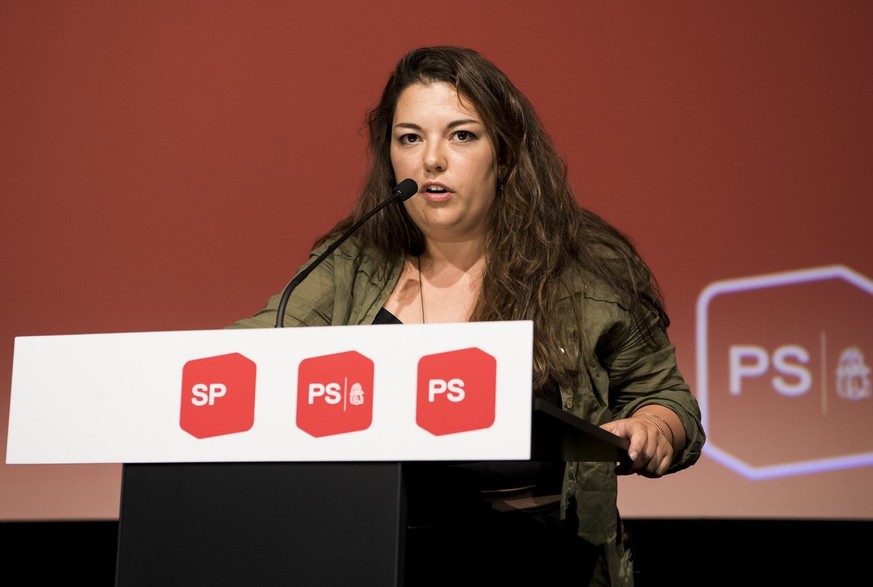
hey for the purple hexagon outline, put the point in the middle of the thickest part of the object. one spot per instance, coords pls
(760, 282)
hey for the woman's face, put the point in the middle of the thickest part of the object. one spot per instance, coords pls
(439, 140)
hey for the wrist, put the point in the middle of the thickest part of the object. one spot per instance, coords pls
(660, 423)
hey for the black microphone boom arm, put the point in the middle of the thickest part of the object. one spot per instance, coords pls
(404, 190)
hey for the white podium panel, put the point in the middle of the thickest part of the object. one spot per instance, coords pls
(428, 392)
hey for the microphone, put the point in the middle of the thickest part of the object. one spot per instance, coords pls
(402, 192)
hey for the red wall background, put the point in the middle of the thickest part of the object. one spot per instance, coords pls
(165, 165)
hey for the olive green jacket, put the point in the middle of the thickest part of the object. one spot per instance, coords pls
(619, 374)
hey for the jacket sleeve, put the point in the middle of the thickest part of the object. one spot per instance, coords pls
(643, 370)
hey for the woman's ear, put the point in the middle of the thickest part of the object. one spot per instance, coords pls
(502, 172)
(504, 164)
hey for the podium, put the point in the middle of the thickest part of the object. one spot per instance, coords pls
(241, 466)
(261, 524)
(271, 524)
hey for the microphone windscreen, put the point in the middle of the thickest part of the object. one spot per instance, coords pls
(405, 189)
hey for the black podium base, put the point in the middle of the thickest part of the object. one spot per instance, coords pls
(261, 524)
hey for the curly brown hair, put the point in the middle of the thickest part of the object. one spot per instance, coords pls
(537, 227)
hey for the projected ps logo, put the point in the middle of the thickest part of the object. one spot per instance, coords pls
(218, 395)
(784, 377)
(335, 394)
(456, 391)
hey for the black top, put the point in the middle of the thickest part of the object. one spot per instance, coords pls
(386, 317)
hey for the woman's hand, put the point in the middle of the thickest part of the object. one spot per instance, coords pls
(654, 434)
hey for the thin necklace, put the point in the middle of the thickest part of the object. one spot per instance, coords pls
(421, 291)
